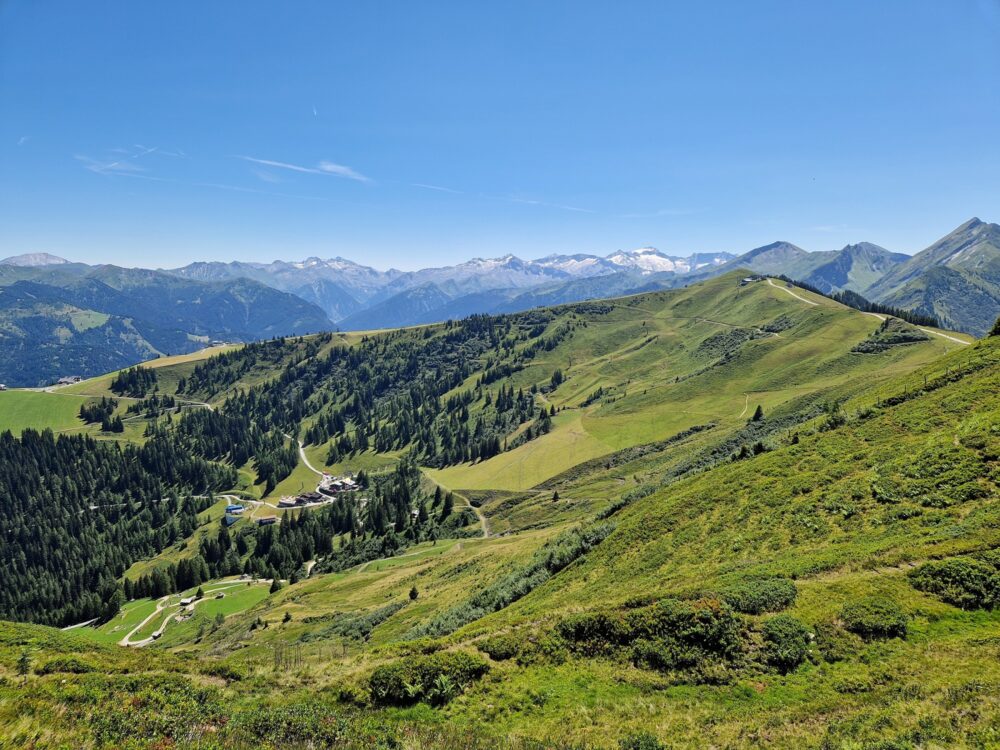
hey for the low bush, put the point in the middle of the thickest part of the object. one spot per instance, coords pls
(436, 678)
(758, 595)
(65, 664)
(226, 671)
(874, 617)
(548, 649)
(500, 647)
(671, 634)
(962, 581)
(786, 642)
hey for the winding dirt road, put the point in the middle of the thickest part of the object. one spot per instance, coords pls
(302, 455)
(164, 603)
(789, 291)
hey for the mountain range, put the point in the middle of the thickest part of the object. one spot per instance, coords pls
(61, 318)
(956, 279)
(736, 515)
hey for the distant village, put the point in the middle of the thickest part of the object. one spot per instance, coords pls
(330, 487)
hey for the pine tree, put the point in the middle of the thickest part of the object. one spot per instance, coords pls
(758, 414)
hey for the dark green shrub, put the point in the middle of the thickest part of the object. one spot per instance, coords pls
(962, 581)
(66, 664)
(595, 632)
(305, 724)
(874, 617)
(758, 595)
(991, 557)
(500, 647)
(640, 741)
(705, 624)
(671, 634)
(436, 678)
(226, 671)
(662, 655)
(549, 649)
(786, 642)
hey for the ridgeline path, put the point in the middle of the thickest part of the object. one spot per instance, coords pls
(789, 291)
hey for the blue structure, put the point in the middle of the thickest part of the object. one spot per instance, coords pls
(234, 509)
(229, 520)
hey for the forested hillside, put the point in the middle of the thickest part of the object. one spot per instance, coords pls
(704, 513)
(78, 512)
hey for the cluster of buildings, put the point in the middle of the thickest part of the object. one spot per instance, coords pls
(331, 485)
(306, 498)
(69, 380)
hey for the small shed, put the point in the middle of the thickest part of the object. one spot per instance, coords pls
(267, 520)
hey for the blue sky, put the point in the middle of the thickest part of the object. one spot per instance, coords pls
(413, 134)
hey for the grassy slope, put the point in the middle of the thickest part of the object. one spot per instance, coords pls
(22, 409)
(804, 510)
(648, 353)
(823, 527)
(57, 408)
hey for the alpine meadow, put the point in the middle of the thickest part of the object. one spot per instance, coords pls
(348, 403)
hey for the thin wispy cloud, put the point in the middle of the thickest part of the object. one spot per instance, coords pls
(264, 176)
(328, 167)
(560, 206)
(323, 168)
(23, 139)
(104, 166)
(438, 188)
(124, 160)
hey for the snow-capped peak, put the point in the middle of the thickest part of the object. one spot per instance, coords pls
(649, 260)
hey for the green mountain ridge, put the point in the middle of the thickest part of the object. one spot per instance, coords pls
(957, 278)
(692, 517)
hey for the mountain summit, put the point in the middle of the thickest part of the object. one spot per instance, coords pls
(956, 279)
(33, 260)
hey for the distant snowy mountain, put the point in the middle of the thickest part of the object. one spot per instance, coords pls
(579, 265)
(33, 260)
(650, 260)
(345, 289)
